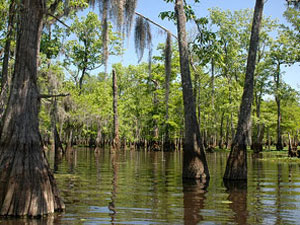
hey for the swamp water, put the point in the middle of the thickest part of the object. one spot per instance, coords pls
(146, 188)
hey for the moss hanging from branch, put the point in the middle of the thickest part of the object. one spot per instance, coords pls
(118, 7)
(123, 12)
(130, 6)
(142, 37)
(105, 36)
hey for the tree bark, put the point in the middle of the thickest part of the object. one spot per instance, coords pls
(236, 168)
(221, 142)
(58, 148)
(258, 144)
(168, 59)
(5, 65)
(116, 141)
(194, 159)
(279, 145)
(27, 184)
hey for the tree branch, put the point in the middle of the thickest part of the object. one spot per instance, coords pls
(53, 96)
(156, 24)
(63, 23)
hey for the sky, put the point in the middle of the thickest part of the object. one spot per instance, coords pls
(152, 8)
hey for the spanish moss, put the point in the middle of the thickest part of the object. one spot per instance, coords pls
(142, 37)
(105, 36)
(118, 7)
(130, 6)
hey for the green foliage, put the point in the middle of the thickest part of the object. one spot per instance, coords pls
(84, 51)
(51, 41)
(219, 51)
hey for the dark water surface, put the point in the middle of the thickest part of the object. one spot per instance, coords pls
(146, 188)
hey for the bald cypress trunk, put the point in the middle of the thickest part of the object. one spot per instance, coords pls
(168, 67)
(116, 141)
(236, 168)
(279, 145)
(5, 65)
(27, 184)
(194, 159)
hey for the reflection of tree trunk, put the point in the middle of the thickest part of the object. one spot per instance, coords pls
(194, 159)
(71, 156)
(258, 170)
(5, 63)
(236, 168)
(238, 201)
(28, 186)
(193, 201)
(116, 140)
(112, 206)
(278, 196)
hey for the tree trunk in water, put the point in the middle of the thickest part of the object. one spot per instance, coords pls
(27, 184)
(194, 159)
(279, 145)
(116, 141)
(154, 144)
(292, 148)
(269, 139)
(5, 65)
(221, 142)
(58, 148)
(258, 144)
(213, 83)
(236, 168)
(168, 59)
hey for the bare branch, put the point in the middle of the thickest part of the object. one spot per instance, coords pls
(156, 24)
(63, 23)
(53, 96)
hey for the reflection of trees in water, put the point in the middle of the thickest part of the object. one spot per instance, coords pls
(257, 197)
(193, 200)
(71, 157)
(278, 195)
(115, 168)
(238, 200)
(53, 219)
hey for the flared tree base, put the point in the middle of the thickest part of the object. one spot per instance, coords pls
(195, 167)
(236, 168)
(27, 186)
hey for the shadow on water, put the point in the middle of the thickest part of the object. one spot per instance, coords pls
(237, 199)
(194, 200)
